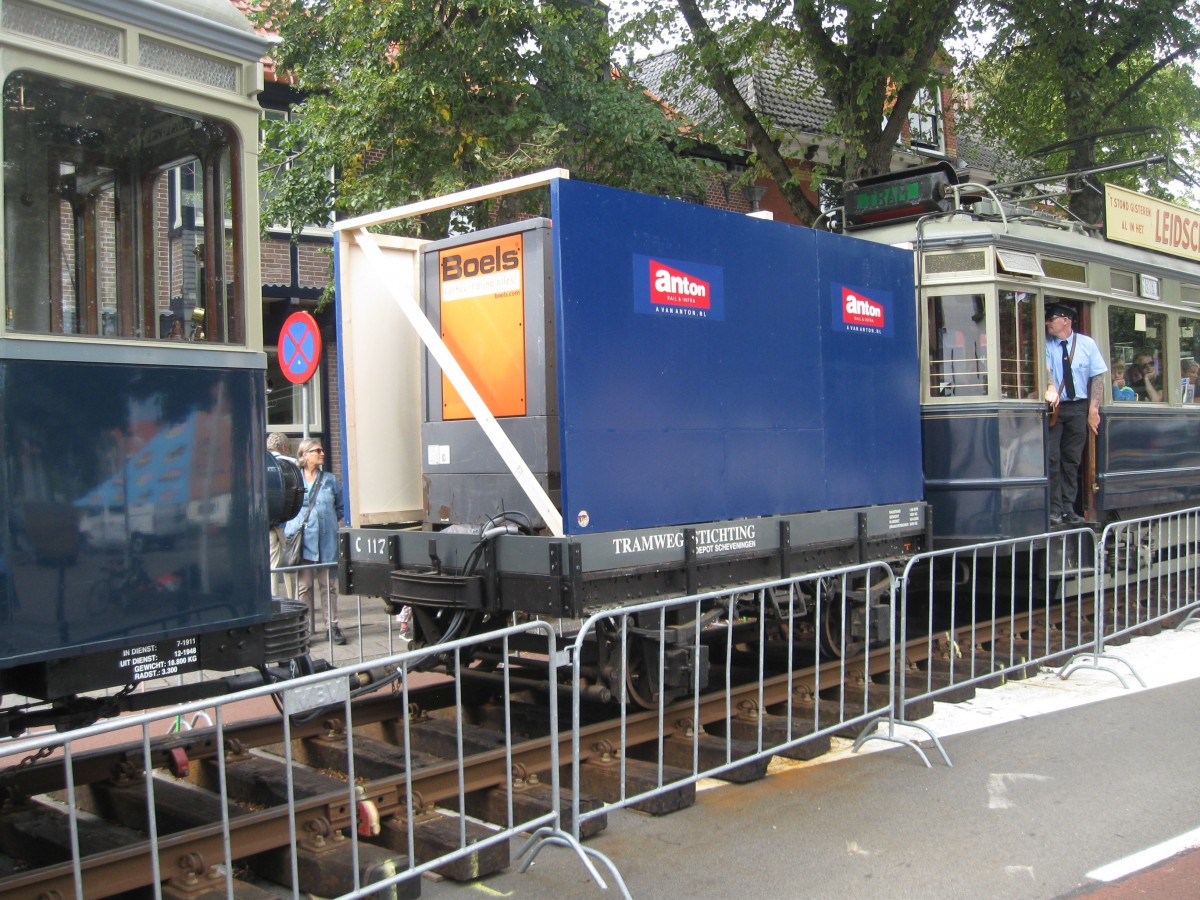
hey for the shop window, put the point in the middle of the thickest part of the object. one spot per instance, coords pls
(285, 401)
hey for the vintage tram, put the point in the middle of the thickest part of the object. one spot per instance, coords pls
(986, 268)
(133, 490)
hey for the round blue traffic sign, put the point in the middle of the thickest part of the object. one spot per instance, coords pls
(299, 347)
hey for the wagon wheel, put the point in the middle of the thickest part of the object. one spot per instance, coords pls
(633, 669)
(845, 607)
(637, 675)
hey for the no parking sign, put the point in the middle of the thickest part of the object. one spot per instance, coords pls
(299, 347)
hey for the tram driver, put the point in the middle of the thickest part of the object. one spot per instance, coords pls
(1075, 369)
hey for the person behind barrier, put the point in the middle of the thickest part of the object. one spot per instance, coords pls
(1075, 370)
(283, 584)
(324, 493)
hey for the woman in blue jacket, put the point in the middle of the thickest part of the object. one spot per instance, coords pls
(319, 517)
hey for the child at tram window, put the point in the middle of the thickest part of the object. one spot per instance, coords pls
(1121, 391)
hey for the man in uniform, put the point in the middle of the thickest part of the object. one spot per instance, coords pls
(1077, 397)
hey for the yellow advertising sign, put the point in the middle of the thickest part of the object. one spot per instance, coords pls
(1134, 218)
(483, 323)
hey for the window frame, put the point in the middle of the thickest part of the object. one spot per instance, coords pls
(284, 113)
(111, 262)
(986, 293)
(927, 109)
(276, 382)
(1170, 391)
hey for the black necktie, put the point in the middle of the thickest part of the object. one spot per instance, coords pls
(1068, 381)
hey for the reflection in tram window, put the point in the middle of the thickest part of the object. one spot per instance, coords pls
(118, 215)
(1136, 339)
(957, 346)
(1019, 345)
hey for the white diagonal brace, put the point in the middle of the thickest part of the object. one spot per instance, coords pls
(408, 304)
(449, 201)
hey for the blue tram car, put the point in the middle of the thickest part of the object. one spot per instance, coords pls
(985, 271)
(134, 499)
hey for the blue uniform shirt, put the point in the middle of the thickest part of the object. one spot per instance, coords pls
(1085, 364)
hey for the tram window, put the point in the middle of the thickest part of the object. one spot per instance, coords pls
(957, 346)
(1136, 339)
(1019, 345)
(104, 209)
(285, 401)
(1189, 360)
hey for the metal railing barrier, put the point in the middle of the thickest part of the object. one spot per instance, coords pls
(368, 779)
(975, 616)
(1148, 571)
(715, 684)
(369, 630)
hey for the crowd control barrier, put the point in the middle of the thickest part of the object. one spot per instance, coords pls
(973, 616)
(1148, 574)
(370, 631)
(376, 793)
(706, 686)
(715, 684)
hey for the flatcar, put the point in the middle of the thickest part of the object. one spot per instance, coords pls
(134, 493)
(652, 398)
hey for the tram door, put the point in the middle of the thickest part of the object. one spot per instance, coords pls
(1086, 499)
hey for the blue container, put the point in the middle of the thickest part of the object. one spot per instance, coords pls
(713, 366)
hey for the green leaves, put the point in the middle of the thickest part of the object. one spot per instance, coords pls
(870, 59)
(404, 100)
(1060, 72)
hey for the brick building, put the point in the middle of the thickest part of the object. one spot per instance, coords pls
(294, 275)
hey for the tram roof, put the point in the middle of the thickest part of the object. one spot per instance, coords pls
(1043, 236)
(213, 24)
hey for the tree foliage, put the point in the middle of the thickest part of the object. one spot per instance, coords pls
(403, 100)
(871, 57)
(1096, 81)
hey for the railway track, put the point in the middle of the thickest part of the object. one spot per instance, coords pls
(425, 768)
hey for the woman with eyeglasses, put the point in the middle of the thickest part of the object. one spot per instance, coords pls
(323, 494)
